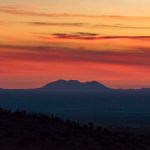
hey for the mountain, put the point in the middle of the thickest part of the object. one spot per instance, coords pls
(89, 101)
(74, 85)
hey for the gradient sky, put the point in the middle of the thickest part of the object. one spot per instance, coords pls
(103, 40)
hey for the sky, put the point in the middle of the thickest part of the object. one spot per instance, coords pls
(103, 40)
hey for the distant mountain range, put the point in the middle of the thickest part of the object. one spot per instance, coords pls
(82, 101)
(74, 85)
(77, 86)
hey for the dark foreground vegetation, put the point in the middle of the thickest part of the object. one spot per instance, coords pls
(22, 131)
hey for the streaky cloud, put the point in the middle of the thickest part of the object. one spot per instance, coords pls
(91, 36)
(18, 11)
(57, 24)
(88, 25)
(121, 26)
(138, 58)
(77, 35)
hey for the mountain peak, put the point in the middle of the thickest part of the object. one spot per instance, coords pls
(74, 85)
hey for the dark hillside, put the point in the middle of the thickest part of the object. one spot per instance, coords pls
(22, 131)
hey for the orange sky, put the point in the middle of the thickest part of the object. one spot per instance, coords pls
(49, 40)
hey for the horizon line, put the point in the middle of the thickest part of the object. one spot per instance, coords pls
(83, 82)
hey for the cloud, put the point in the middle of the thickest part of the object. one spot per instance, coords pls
(139, 58)
(77, 35)
(88, 36)
(17, 11)
(82, 24)
(121, 26)
(57, 24)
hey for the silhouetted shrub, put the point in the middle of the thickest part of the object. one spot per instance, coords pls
(20, 130)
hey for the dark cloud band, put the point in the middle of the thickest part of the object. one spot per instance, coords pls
(81, 24)
(90, 36)
(139, 58)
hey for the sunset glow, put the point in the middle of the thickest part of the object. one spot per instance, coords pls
(46, 40)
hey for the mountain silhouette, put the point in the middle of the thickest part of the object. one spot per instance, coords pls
(82, 101)
(74, 85)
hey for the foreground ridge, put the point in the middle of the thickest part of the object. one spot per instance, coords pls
(20, 130)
